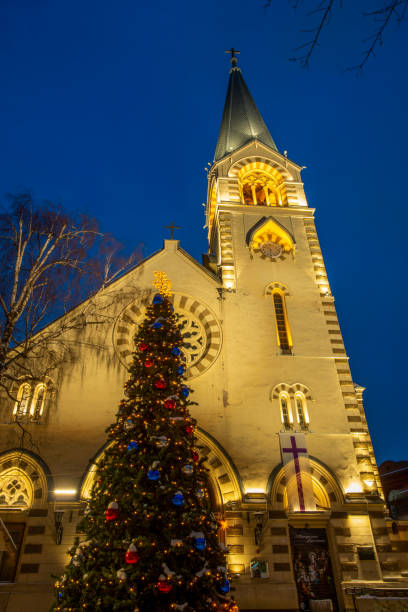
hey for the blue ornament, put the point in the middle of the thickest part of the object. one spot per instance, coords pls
(185, 392)
(178, 499)
(180, 370)
(187, 469)
(157, 299)
(200, 543)
(133, 445)
(60, 595)
(153, 474)
(175, 350)
(224, 586)
(157, 325)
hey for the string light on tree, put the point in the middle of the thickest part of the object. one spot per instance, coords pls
(150, 539)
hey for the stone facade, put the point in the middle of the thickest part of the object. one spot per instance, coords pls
(240, 367)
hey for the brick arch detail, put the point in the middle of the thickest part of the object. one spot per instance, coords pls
(224, 478)
(278, 167)
(291, 390)
(275, 285)
(322, 476)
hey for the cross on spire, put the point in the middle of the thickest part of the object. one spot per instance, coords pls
(172, 227)
(233, 53)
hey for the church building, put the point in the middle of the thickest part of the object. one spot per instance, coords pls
(281, 424)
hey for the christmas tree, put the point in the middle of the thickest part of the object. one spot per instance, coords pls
(150, 540)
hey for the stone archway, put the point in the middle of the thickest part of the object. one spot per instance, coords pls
(223, 478)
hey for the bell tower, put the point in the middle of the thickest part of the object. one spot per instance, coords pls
(293, 418)
(252, 180)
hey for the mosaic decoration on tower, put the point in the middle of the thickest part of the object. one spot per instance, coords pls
(200, 328)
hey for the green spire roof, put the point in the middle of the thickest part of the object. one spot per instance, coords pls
(241, 121)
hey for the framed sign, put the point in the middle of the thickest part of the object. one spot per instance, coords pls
(259, 568)
(312, 570)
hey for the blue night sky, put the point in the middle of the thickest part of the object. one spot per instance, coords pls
(114, 108)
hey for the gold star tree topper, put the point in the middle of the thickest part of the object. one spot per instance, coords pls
(162, 283)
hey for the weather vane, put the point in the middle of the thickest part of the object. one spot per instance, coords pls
(162, 283)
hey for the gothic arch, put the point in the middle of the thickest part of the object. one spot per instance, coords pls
(223, 476)
(269, 232)
(31, 474)
(327, 489)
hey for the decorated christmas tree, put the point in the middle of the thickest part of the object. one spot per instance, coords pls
(149, 538)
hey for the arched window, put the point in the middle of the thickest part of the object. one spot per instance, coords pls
(302, 415)
(247, 194)
(37, 405)
(282, 324)
(286, 410)
(261, 185)
(23, 400)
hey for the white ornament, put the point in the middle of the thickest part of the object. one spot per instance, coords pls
(176, 542)
(196, 534)
(203, 571)
(121, 574)
(167, 571)
(161, 441)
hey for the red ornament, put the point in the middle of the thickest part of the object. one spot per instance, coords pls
(189, 429)
(170, 404)
(148, 363)
(164, 586)
(112, 511)
(160, 384)
(143, 347)
(131, 555)
(195, 456)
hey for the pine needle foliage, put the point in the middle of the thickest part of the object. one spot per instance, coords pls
(149, 537)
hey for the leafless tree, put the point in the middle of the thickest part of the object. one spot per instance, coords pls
(50, 262)
(320, 15)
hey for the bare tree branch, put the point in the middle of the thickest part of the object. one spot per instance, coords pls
(385, 14)
(51, 263)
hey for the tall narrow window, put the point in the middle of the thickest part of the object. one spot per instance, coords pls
(23, 399)
(282, 324)
(247, 193)
(286, 412)
(301, 411)
(37, 405)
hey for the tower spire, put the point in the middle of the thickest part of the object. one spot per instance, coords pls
(241, 120)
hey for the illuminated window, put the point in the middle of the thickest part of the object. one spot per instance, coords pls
(286, 412)
(262, 187)
(37, 404)
(23, 400)
(282, 324)
(30, 406)
(302, 416)
(247, 194)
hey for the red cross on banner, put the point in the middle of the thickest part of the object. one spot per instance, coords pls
(299, 484)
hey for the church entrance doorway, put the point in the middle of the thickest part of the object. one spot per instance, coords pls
(313, 570)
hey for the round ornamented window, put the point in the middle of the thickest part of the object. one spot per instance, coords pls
(271, 249)
(200, 328)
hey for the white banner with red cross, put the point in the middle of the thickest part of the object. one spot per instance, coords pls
(299, 485)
